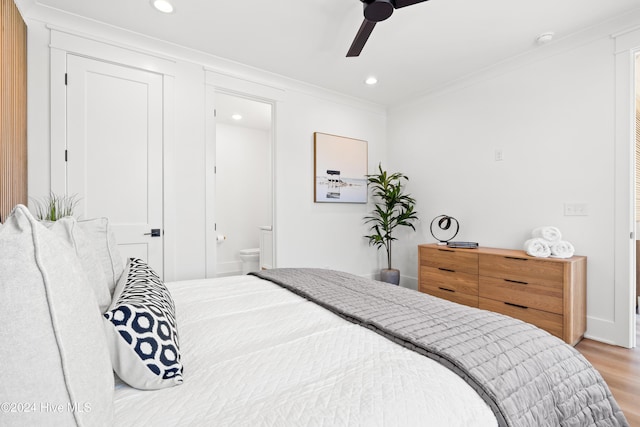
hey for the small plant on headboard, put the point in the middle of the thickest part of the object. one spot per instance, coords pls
(53, 207)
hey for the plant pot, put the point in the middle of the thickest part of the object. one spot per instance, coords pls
(390, 276)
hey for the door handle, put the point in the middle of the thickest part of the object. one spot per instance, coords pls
(155, 232)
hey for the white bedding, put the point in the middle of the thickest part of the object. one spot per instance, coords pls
(256, 354)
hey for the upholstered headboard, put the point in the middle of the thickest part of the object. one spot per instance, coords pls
(13, 108)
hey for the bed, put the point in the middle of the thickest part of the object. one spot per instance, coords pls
(301, 347)
(282, 360)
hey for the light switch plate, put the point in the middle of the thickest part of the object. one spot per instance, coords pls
(576, 209)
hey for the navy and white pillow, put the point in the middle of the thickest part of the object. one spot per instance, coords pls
(142, 332)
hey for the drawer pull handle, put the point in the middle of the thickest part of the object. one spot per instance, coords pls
(516, 281)
(445, 289)
(516, 305)
(446, 269)
(516, 258)
(446, 250)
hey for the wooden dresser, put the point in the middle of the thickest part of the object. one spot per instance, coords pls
(547, 292)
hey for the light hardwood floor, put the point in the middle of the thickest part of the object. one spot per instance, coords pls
(620, 368)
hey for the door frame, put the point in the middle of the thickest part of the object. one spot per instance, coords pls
(216, 82)
(627, 47)
(66, 42)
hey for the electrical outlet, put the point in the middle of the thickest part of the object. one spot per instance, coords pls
(576, 209)
(498, 156)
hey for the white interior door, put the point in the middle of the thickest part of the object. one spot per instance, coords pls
(114, 152)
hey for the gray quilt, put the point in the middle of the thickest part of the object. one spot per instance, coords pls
(527, 376)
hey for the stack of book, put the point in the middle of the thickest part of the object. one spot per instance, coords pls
(467, 245)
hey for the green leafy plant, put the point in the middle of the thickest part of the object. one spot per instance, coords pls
(393, 208)
(53, 207)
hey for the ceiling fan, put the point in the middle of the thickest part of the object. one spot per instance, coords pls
(374, 12)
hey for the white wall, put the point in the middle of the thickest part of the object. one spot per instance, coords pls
(306, 234)
(551, 112)
(187, 178)
(553, 117)
(243, 191)
(321, 234)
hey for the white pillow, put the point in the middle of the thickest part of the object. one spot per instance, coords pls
(69, 231)
(53, 350)
(104, 244)
(141, 330)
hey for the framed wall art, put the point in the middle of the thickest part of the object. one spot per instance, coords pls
(340, 169)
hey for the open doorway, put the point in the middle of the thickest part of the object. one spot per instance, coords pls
(622, 327)
(243, 184)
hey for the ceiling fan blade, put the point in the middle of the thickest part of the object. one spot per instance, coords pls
(361, 38)
(402, 3)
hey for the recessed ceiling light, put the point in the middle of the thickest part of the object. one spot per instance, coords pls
(545, 38)
(371, 81)
(163, 6)
(236, 117)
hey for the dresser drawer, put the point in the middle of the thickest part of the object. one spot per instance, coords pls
(550, 322)
(450, 294)
(449, 280)
(454, 260)
(529, 294)
(521, 269)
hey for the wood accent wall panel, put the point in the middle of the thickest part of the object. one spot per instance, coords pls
(13, 108)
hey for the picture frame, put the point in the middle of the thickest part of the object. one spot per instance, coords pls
(340, 169)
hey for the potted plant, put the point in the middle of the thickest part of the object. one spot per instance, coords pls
(54, 207)
(393, 208)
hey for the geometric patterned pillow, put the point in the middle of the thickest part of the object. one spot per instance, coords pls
(141, 329)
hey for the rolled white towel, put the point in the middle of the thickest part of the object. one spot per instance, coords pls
(548, 233)
(537, 247)
(561, 249)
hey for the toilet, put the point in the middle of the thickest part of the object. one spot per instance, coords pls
(250, 260)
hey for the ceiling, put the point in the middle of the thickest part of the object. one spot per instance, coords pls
(417, 49)
(253, 114)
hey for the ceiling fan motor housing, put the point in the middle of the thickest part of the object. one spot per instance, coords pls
(377, 10)
(374, 12)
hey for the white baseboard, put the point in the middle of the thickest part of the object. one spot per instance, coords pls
(405, 281)
(603, 330)
(409, 282)
(231, 268)
(371, 276)
(229, 273)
